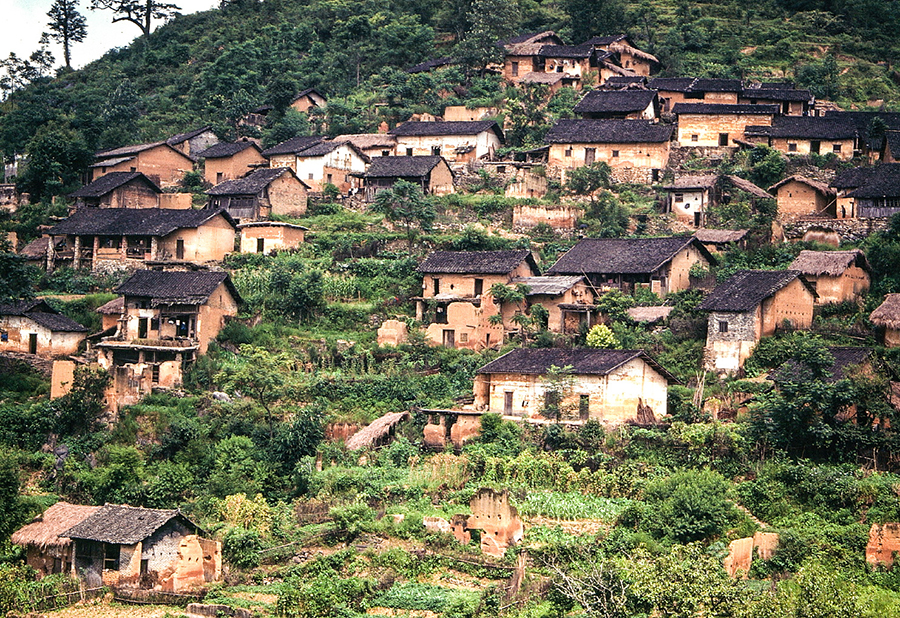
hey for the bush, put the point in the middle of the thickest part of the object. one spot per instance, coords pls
(241, 548)
(689, 506)
(351, 521)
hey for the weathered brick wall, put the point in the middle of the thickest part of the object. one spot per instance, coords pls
(850, 230)
(707, 127)
(727, 351)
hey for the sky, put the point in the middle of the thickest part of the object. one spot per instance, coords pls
(24, 21)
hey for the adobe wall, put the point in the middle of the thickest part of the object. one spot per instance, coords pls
(211, 318)
(440, 181)
(210, 242)
(525, 64)
(422, 145)
(797, 198)
(793, 303)
(707, 127)
(464, 428)
(740, 552)
(463, 285)
(220, 169)
(62, 378)
(461, 113)
(726, 352)
(163, 165)
(470, 326)
(853, 282)
(580, 293)
(679, 269)
(284, 160)
(287, 196)
(557, 216)
(526, 184)
(176, 201)
(275, 237)
(392, 333)
(804, 146)
(883, 545)
(497, 519)
(644, 156)
(197, 561)
(692, 201)
(135, 194)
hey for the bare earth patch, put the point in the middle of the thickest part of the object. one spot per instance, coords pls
(105, 609)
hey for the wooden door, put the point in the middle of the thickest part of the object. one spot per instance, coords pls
(32, 343)
(589, 154)
(449, 338)
(179, 249)
(507, 403)
(142, 328)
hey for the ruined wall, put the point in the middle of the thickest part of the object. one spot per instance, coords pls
(497, 519)
(197, 561)
(470, 326)
(883, 545)
(220, 169)
(704, 129)
(557, 216)
(797, 198)
(211, 318)
(284, 160)
(287, 196)
(392, 333)
(62, 379)
(740, 552)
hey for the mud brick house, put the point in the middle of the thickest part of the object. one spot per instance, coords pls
(890, 152)
(793, 102)
(689, 197)
(869, 143)
(718, 125)
(576, 61)
(806, 135)
(661, 265)
(118, 190)
(869, 192)
(225, 161)
(623, 104)
(193, 142)
(887, 319)
(627, 56)
(307, 99)
(751, 305)
(431, 173)
(674, 90)
(129, 547)
(45, 550)
(34, 327)
(455, 294)
(331, 162)
(569, 302)
(118, 238)
(798, 196)
(260, 194)
(636, 150)
(168, 319)
(457, 142)
(110, 314)
(836, 276)
(285, 153)
(610, 386)
(371, 144)
(523, 54)
(269, 236)
(160, 162)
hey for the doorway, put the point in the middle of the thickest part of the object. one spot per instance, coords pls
(179, 249)
(449, 338)
(32, 343)
(507, 403)
(589, 154)
(142, 328)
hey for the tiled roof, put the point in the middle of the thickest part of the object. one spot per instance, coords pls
(475, 262)
(551, 286)
(402, 167)
(615, 101)
(41, 313)
(566, 51)
(724, 109)
(882, 181)
(613, 131)
(110, 182)
(133, 221)
(176, 287)
(224, 149)
(806, 127)
(430, 65)
(293, 145)
(715, 237)
(121, 524)
(183, 137)
(452, 127)
(746, 289)
(582, 361)
(127, 150)
(704, 84)
(605, 40)
(252, 183)
(821, 187)
(671, 84)
(707, 181)
(623, 255)
(777, 94)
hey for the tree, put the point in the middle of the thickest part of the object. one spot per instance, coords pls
(141, 13)
(586, 180)
(591, 17)
(492, 21)
(57, 154)
(601, 336)
(15, 276)
(19, 72)
(405, 203)
(67, 26)
(559, 383)
(261, 376)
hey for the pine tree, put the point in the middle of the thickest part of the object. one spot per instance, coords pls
(67, 26)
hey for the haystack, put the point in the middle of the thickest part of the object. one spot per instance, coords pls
(44, 531)
(888, 313)
(831, 263)
(375, 432)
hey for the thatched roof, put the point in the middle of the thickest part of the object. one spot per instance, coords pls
(832, 263)
(376, 430)
(44, 531)
(718, 237)
(821, 187)
(114, 307)
(649, 314)
(888, 312)
(748, 187)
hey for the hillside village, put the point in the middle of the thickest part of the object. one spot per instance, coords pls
(647, 367)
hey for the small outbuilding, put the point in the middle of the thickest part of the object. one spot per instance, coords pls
(801, 196)
(836, 276)
(269, 236)
(265, 192)
(689, 198)
(119, 190)
(887, 318)
(431, 173)
(34, 327)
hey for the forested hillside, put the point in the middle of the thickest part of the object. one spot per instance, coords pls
(214, 67)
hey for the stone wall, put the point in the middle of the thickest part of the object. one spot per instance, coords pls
(848, 230)
(727, 351)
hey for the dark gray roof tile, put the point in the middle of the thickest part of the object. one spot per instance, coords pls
(614, 131)
(746, 289)
(111, 182)
(607, 256)
(133, 221)
(475, 262)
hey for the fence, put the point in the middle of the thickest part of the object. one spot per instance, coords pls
(35, 598)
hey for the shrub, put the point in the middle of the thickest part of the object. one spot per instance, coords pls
(689, 506)
(351, 521)
(601, 336)
(241, 548)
